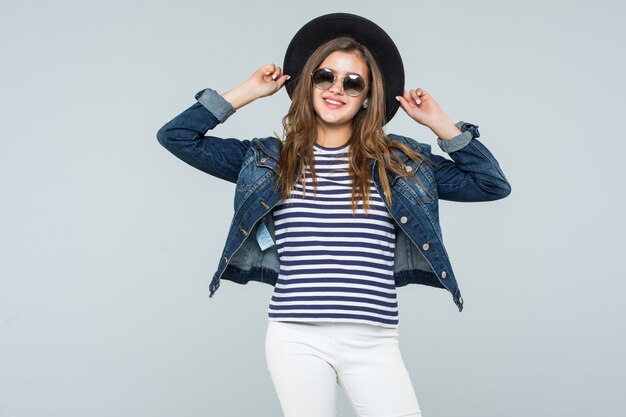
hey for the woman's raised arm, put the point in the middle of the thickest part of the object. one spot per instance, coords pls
(184, 136)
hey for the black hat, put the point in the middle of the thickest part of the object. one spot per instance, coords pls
(366, 32)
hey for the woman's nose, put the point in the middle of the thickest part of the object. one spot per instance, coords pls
(337, 85)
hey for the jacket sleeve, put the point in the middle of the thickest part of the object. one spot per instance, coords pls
(473, 174)
(184, 137)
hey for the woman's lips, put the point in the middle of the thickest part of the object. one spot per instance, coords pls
(332, 105)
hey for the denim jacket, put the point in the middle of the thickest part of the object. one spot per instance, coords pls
(420, 257)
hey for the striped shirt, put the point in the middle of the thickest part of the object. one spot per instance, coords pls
(334, 266)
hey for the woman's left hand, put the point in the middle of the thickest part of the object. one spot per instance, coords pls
(422, 107)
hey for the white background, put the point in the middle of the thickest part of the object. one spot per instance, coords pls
(108, 242)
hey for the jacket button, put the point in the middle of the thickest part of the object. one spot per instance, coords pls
(403, 219)
(264, 159)
(425, 246)
(443, 274)
(460, 300)
(225, 259)
(408, 168)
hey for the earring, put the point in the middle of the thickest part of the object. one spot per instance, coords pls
(364, 105)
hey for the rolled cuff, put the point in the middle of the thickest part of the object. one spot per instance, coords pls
(215, 103)
(457, 142)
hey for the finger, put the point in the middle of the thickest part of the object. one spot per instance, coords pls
(414, 96)
(282, 80)
(423, 94)
(411, 96)
(277, 73)
(404, 103)
(269, 69)
(407, 95)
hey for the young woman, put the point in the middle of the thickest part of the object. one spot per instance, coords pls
(337, 214)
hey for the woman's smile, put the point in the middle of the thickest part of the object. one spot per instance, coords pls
(333, 104)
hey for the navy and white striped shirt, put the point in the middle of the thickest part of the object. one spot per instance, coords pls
(334, 266)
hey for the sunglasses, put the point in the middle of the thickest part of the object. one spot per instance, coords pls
(353, 84)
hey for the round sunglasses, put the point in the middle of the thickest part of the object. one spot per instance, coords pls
(353, 84)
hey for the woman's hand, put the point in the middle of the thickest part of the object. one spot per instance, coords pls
(422, 107)
(265, 81)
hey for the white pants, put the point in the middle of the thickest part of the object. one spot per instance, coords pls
(307, 360)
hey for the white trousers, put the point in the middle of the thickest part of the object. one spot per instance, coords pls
(307, 360)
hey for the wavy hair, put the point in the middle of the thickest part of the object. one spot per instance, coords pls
(368, 140)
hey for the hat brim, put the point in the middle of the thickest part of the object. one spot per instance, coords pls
(375, 39)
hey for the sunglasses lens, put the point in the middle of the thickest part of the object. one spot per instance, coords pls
(323, 78)
(353, 85)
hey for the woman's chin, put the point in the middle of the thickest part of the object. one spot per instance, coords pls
(333, 120)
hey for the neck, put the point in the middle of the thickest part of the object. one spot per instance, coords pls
(333, 136)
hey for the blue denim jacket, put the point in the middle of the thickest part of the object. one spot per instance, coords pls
(473, 174)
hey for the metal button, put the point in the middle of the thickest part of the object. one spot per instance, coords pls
(403, 219)
(264, 159)
(460, 299)
(408, 168)
(425, 246)
(225, 259)
(443, 274)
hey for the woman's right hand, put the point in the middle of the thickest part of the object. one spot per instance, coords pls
(265, 81)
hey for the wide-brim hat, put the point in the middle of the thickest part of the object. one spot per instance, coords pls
(364, 31)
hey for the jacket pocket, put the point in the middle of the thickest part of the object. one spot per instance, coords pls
(418, 185)
(413, 191)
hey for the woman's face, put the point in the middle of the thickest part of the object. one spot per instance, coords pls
(342, 107)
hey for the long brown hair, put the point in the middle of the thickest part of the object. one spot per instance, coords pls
(368, 139)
